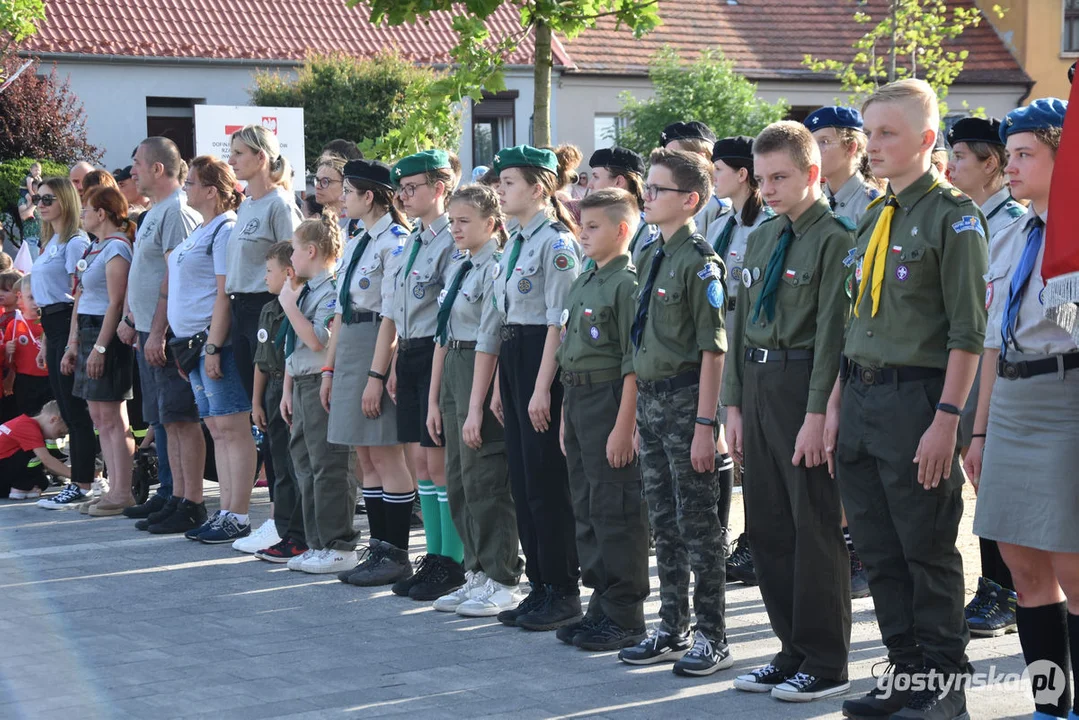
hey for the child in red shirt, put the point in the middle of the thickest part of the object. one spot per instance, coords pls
(9, 298)
(22, 345)
(22, 440)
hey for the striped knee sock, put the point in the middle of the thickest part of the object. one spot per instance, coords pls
(397, 509)
(432, 519)
(452, 547)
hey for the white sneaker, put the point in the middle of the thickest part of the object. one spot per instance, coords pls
(70, 497)
(264, 537)
(23, 494)
(491, 599)
(99, 487)
(296, 562)
(450, 601)
(329, 561)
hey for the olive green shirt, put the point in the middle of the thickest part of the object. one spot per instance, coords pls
(269, 357)
(932, 300)
(598, 318)
(811, 300)
(685, 315)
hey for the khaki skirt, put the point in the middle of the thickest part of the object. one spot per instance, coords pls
(348, 424)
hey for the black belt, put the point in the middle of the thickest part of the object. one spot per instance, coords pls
(57, 308)
(759, 355)
(683, 380)
(415, 343)
(890, 376)
(461, 344)
(362, 317)
(593, 377)
(514, 332)
(1030, 368)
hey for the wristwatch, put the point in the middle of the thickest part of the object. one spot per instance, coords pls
(100, 349)
(211, 349)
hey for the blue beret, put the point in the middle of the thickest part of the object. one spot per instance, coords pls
(691, 130)
(1041, 114)
(739, 147)
(972, 129)
(834, 116)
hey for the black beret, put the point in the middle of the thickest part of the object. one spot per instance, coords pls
(617, 157)
(739, 147)
(971, 129)
(121, 174)
(372, 171)
(692, 130)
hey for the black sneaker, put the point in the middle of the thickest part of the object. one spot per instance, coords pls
(859, 581)
(158, 517)
(557, 609)
(740, 563)
(71, 496)
(932, 704)
(423, 565)
(364, 558)
(387, 564)
(446, 576)
(154, 504)
(567, 633)
(975, 605)
(226, 531)
(282, 552)
(995, 615)
(704, 658)
(886, 698)
(608, 635)
(193, 534)
(804, 688)
(188, 516)
(532, 601)
(658, 646)
(761, 680)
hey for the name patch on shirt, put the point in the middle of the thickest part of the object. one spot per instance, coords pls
(850, 259)
(969, 222)
(711, 270)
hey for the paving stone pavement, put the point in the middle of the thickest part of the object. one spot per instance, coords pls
(102, 621)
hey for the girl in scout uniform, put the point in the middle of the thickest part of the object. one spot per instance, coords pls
(732, 162)
(358, 380)
(531, 283)
(1023, 454)
(424, 181)
(477, 479)
(622, 168)
(977, 168)
(844, 163)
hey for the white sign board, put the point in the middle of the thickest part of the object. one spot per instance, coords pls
(215, 124)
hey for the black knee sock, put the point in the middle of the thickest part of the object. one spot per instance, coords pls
(725, 466)
(398, 513)
(376, 514)
(846, 538)
(1073, 644)
(993, 565)
(1043, 634)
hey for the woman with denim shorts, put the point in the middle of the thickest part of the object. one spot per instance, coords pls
(198, 304)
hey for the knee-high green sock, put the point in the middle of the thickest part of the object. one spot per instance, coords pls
(452, 547)
(432, 518)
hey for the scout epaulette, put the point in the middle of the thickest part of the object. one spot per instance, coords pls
(844, 221)
(877, 201)
(398, 230)
(954, 194)
(557, 225)
(702, 245)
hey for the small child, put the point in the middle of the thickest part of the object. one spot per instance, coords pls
(33, 178)
(270, 385)
(22, 343)
(327, 486)
(9, 298)
(23, 453)
(598, 412)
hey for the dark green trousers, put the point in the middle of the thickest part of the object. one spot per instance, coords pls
(327, 485)
(608, 506)
(905, 534)
(793, 521)
(478, 481)
(287, 512)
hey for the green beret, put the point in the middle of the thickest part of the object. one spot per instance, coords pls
(525, 156)
(420, 162)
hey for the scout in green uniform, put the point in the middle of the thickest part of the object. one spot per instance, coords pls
(620, 167)
(910, 356)
(477, 475)
(266, 409)
(679, 344)
(696, 137)
(598, 419)
(784, 355)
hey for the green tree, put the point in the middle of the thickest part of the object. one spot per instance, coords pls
(708, 90)
(479, 59)
(385, 104)
(907, 42)
(18, 21)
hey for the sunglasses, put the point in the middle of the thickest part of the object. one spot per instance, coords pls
(43, 200)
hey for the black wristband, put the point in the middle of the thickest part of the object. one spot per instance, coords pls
(130, 324)
(950, 409)
(977, 435)
(705, 421)
(376, 375)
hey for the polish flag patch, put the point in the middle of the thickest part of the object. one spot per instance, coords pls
(897, 248)
(588, 312)
(791, 273)
(661, 292)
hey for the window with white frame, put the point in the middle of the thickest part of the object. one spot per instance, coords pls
(1070, 36)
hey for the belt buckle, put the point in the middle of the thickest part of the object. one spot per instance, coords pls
(764, 355)
(868, 376)
(1010, 371)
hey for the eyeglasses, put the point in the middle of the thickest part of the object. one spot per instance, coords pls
(325, 182)
(651, 192)
(409, 190)
(43, 200)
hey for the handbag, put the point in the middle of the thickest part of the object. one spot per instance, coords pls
(187, 351)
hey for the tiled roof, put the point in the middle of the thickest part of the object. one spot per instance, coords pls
(768, 39)
(251, 30)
